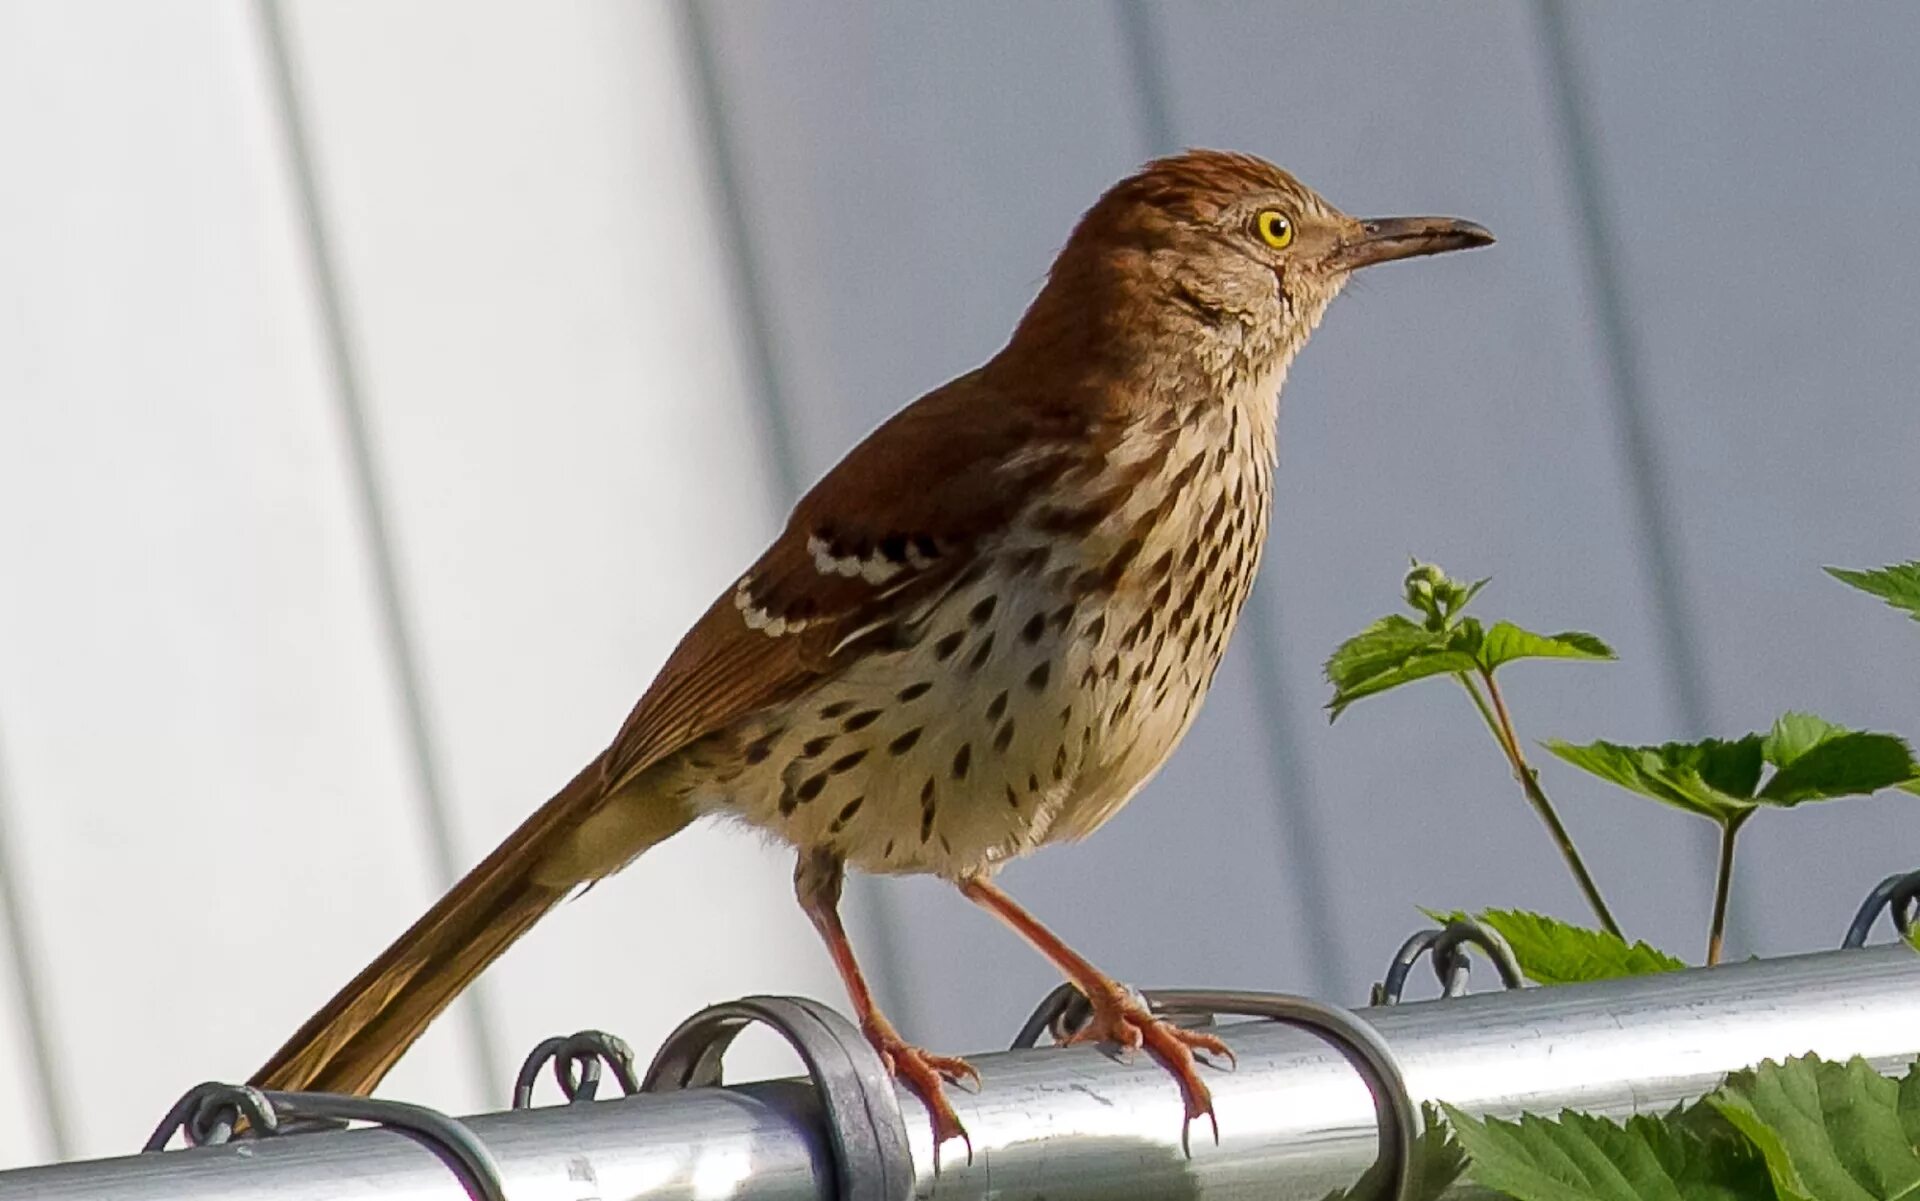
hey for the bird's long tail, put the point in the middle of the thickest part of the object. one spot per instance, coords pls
(358, 1035)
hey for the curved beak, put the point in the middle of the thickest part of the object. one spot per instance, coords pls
(1383, 239)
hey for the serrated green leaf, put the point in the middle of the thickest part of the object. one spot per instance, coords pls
(1506, 642)
(1438, 1161)
(1909, 1102)
(1550, 951)
(1898, 584)
(1828, 1131)
(1614, 763)
(1730, 767)
(1380, 647)
(1794, 734)
(1713, 778)
(1391, 652)
(1581, 1158)
(1912, 786)
(1416, 667)
(1844, 764)
(1818, 759)
(1396, 650)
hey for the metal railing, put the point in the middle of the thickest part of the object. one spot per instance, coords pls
(1318, 1095)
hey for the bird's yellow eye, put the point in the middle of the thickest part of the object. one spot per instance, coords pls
(1275, 230)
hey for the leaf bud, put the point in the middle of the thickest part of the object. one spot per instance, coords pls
(1426, 585)
(1429, 573)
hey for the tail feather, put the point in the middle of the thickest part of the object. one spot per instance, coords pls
(349, 1045)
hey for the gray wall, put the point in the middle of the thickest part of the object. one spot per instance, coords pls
(361, 458)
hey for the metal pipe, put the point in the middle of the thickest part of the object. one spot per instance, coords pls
(1295, 1120)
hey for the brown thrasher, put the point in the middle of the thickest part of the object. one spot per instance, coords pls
(981, 632)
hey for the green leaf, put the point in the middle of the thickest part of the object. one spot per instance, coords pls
(1470, 591)
(1714, 779)
(1816, 760)
(1909, 1102)
(1912, 786)
(1380, 647)
(1794, 734)
(1819, 760)
(1437, 1162)
(1828, 1131)
(1581, 1158)
(1397, 650)
(1849, 764)
(1506, 642)
(1551, 951)
(1729, 768)
(1897, 584)
(1391, 652)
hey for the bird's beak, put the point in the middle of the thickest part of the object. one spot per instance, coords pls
(1383, 239)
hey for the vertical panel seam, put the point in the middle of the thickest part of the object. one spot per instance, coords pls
(749, 290)
(1622, 365)
(752, 302)
(24, 963)
(1147, 60)
(370, 495)
(1303, 843)
(1621, 358)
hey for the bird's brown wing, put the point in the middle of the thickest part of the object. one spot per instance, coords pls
(900, 519)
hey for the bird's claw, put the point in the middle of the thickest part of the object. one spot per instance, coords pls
(1122, 1018)
(925, 1074)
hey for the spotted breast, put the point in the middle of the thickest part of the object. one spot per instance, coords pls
(1030, 699)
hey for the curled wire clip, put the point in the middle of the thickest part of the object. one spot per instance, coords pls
(1065, 1011)
(577, 1061)
(1899, 896)
(212, 1114)
(866, 1131)
(209, 1114)
(1450, 963)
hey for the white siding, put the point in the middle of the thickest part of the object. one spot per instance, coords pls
(207, 782)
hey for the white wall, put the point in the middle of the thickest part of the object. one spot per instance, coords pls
(213, 794)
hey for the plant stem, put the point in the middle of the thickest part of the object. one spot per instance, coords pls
(1723, 887)
(1501, 725)
(1486, 714)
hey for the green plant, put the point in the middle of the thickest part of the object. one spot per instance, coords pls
(1898, 584)
(1550, 951)
(1395, 651)
(1803, 1130)
(1438, 1161)
(1811, 758)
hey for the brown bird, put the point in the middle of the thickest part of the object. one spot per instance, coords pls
(980, 633)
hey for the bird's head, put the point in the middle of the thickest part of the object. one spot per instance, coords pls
(1213, 257)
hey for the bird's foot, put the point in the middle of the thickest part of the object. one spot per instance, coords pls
(1120, 1016)
(925, 1074)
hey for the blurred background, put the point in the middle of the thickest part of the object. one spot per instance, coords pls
(384, 388)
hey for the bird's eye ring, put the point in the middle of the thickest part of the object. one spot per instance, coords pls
(1274, 228)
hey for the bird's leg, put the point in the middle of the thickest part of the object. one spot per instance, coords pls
(816, 881)
(1119, 1016)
